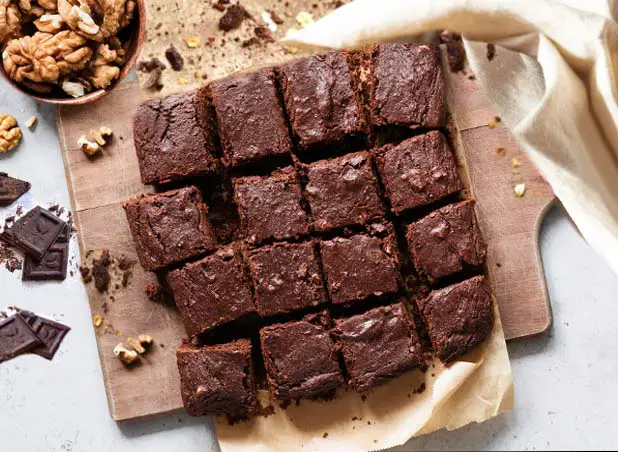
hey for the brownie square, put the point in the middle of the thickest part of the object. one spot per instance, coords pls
(378, 345)
(407, 86)
(300, 359)
(217, 379)
(270, 206)
(343, 192)
(458, 317)
(359, 267)
(169, 227)
(212, 291)
(447, 241)
(286, 277)
(322, 105)
(175, 137)
(418, 171)
(250, 118)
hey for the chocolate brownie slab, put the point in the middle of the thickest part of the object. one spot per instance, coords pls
(447, 241)
(169, 227)
(342, 192)
(217, 379)
(418, 171)
(212, 291)
(270, 206)
(378, 345)
(300, 359)
(175, 137)
(407, 87)
(458, 317)
(250, 118)
(321, 103)
(359, 267)
(286, 277)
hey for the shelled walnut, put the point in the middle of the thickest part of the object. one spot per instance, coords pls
(73, 46)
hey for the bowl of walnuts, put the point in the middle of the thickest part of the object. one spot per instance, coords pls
(69, 51)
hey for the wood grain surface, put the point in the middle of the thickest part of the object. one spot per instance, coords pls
(510, 226)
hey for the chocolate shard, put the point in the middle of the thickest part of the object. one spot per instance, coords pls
(16, 338)
(11, 189)
(51, 334)
(53, 266)
(34, 233)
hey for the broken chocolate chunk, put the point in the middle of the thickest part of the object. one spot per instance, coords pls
(11, 189)
(174, 58)
(51, 334)
(16, 338)
(34, 233)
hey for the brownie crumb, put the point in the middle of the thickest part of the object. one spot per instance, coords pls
(174, 58)
(471, 77)
(455, 51)
(325, 435)
(263, 33)
(100, 272)
(420, 389)
(10, 260)
(233, 18)
(150, 65)
(265, 411)
(252, 41)
(491, 51)
(220, 5)
(363, 397)
(354, 418)
(275, 17)
(158, 294)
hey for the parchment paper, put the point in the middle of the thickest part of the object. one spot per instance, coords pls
(555, 87)
(473, 389)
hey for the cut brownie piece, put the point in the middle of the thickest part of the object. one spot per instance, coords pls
(286, 278)
(250, 118)
(407, 86)
(270, 207)
(322, 105)
(360, 266)
(169, 227)
(175, 137)
(343, 192)
(217, 379)
(458, 317)
(447, 241)
(418, 171)
(213, 291)
(378, 345)
(300, 358)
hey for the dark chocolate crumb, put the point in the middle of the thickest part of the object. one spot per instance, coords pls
(252, 41)
(174, 58)
(263, 33)
(100, 272)
(325, 435)
(233, 18)
(455, 51)
(491, 51)
(275, 17)
(220, 5)
(150, 65)
(420, 389)
(363, 397)
(498, 264)
(471, 77)
(10, 260)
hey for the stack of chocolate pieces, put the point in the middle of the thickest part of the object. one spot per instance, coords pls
(44, 239)
(310, 222)
(25, 332)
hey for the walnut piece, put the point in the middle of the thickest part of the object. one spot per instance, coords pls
(116, 15)
(103, 69)
(10, 134)
(10, 21)
(73, 89)
(31, 121)
(90, 148)
(44, 57)
(49, 23)
(79, 19)
(128, 357)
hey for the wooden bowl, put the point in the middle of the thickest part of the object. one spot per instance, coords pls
(136, 32)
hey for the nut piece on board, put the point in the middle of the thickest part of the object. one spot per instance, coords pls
(10, 133)
(89, 147)
(31, 122)
(127, 357)
(44, 57)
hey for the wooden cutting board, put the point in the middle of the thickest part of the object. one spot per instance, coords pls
(510, 226)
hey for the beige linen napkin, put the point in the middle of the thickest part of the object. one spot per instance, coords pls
(553, 82)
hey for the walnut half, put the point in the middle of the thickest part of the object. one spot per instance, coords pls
(44, 57)
(10, 21)
(10, 134)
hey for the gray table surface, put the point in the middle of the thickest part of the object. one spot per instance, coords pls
(565, 385)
